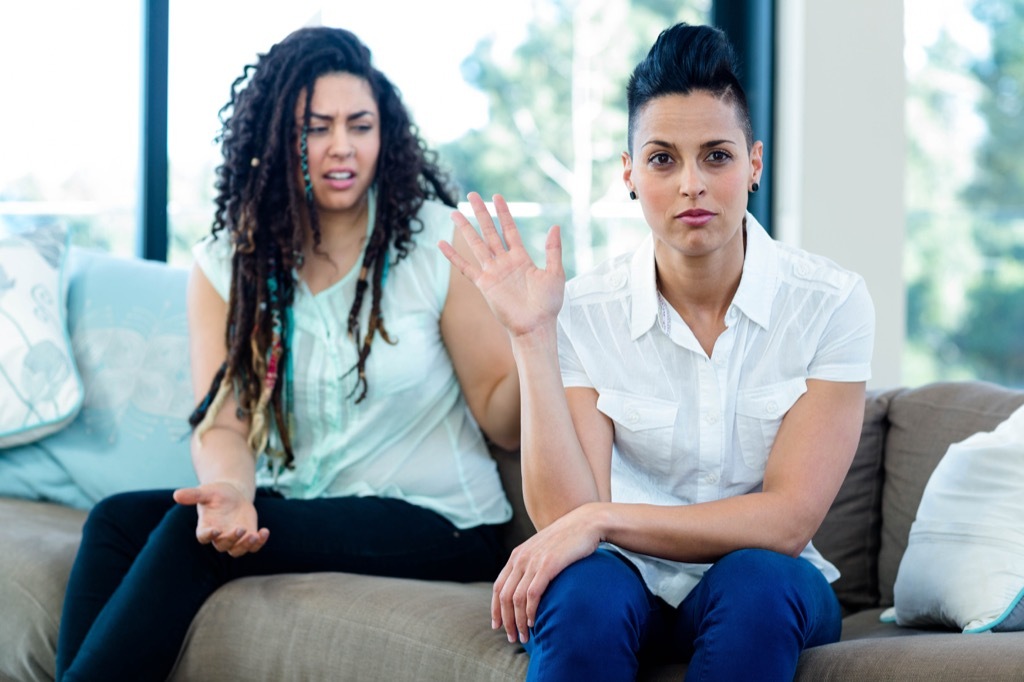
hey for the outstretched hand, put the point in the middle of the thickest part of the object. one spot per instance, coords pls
(522, 296)
(227, 518)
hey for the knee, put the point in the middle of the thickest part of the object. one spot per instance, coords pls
(762, 584)
(109, 513)
(600, 591)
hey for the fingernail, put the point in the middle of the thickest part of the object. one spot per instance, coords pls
(511, 639)
(494, 624)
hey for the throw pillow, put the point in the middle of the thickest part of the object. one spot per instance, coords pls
(40, 390)
(129, 332)
(964, 564)
(130, 335)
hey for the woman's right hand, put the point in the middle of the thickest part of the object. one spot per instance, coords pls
(227, 518)
(522, 296)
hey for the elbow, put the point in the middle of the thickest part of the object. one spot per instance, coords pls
(509, 442)
(795, 537)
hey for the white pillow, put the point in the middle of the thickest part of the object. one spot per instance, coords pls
(964, 564)
(40, 390)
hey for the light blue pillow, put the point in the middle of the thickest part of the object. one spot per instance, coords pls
(40, 391)
(129, 333)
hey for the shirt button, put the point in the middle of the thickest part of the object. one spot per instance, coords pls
(711, 478)
(771, 407)
(617, 279)
(632, 416)
(712, 418)
(802, 270)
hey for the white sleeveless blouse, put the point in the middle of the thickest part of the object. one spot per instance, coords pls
(412, 437)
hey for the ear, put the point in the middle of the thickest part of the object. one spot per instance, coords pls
(627, 171)
(756, 161)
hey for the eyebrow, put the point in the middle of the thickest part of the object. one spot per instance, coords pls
(350, 117)
(704, 145)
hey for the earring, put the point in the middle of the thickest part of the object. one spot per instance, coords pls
(755, 187)
(632, 195)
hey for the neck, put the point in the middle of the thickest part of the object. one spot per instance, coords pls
(701, 287)
(341, 231)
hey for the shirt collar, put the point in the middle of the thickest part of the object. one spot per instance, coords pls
(753, 297)
(643, 289)
(760, 275)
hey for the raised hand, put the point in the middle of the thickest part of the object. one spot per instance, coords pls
(227, 518)
(522, 296)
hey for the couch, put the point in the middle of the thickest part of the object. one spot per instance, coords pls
(351, 627)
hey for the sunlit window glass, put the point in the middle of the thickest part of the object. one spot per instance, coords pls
(965, 191)
(69, 139)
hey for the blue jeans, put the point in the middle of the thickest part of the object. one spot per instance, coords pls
(748, 618)
(140, 576)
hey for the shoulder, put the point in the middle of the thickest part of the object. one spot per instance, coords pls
(609, 280)
(433, 222)
(801, 269)
(213, 255)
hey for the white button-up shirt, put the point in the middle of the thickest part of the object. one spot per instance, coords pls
(691, 428)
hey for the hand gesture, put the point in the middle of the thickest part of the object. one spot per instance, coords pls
(227, 518)
(522, 296)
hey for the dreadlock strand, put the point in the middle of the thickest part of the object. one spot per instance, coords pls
(219, 398)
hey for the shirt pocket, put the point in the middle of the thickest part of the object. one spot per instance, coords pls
(392, 368)
(759, 413)
(644, 427)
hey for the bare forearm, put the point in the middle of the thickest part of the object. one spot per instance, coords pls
(703, 533)
(224, 456)
(557, 477)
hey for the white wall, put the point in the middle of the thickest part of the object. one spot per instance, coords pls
(839, 149)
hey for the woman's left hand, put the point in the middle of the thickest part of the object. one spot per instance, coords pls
(535, 563)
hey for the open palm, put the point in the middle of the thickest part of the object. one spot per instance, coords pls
(522, 296)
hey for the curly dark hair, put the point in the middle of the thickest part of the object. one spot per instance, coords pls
(265, 210)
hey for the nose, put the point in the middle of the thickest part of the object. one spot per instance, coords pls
(341, 145)
(691, 181)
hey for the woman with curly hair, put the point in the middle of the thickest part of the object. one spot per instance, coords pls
(339, 388)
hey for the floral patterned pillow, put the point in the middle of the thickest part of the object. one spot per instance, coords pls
(40, 389)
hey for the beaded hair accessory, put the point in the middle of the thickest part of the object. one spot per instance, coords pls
(304, 159)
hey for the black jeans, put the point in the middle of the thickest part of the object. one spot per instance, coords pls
(140, 575)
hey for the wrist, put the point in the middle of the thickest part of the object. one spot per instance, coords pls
(542, 337)
(597, 518)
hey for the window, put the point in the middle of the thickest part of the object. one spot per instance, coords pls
(70, 120)
(965, 191)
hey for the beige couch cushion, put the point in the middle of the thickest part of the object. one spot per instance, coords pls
(923, 423)
(40, 541)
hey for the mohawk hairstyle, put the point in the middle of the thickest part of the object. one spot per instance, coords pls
(263, 207)
(683, 59)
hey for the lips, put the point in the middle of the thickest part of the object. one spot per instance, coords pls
(340, 178)
(695, 217)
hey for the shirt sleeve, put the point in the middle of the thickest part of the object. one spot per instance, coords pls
(213, 256)
(845, 348)
(573, 373)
